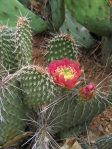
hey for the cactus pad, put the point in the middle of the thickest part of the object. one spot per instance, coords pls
(11, 112)
(7, 47)
(61, 46)
(95, 15)
(16, 9)
(23, 45)
(38, 88)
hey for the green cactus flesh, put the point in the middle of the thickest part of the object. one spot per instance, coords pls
(11, 113)
(23, 45)
(95, 15)
(7, 47)
(59, 47)
(38, 88)
(16, 9)
(72, 113)
(79, 32)
(16, 45)
(57, 13)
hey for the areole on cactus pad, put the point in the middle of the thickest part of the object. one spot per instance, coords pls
(65, 72)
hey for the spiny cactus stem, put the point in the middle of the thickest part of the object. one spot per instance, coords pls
(10, 77)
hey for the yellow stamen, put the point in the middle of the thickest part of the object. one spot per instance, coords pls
(68, 73)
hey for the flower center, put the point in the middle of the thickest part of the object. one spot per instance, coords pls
(68, 73)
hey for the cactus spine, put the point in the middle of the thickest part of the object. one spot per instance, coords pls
(104, 142)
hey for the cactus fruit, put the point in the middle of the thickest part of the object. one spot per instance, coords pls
(79, 32)
(14, 10)
(11, 111)
(59, 47)
(95, 15)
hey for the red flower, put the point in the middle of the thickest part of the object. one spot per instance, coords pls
(65, 72)
(87, 92)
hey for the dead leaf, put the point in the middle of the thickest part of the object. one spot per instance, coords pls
(71, 144)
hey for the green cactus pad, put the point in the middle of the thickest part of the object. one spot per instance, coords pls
(73, 113)
(59, 47)
(16, 45)
(11, 112)
(7, 47)
(23, 46)
(57, 13)
(14, 10)
(38, 88)
(95, 15)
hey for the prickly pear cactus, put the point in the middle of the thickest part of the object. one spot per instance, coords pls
(23, 45)
(16, 45)
(79, 32)
(11, 111)
(38, 87)
(71, 112)
(57, 13)
(95, 15)
(15, 9)
(7, 47)
(61, 46)
(69, 108)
